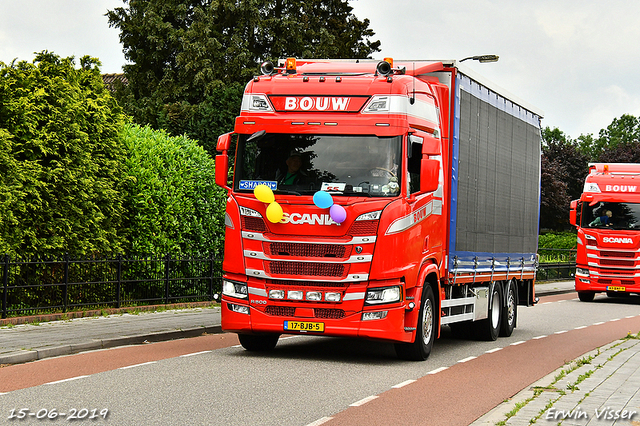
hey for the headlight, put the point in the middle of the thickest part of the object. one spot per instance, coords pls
(276, 294)
(314, 296)
(370, 216)
(376, 296)
(332, 297)
(582, 271)
(234, 289)
(295, 294)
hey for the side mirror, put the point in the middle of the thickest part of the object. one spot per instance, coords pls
(222, 170)
(224, 142)
(431, 145)
(222, 160)
(429, 175)
(572, 212)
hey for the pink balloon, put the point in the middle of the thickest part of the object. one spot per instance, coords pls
(338, 213)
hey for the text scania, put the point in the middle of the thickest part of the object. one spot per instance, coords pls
(617, 240)
(306, 218)
(316, 104)
(620, 188)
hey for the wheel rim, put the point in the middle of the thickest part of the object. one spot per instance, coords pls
(495, 309)
(427, 322)
(511, 303)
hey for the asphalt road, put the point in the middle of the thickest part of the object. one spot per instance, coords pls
(209, 380)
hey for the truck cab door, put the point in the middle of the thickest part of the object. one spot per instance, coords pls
(424, 193)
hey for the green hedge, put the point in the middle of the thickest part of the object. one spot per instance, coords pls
(173, 205)
(558, 240)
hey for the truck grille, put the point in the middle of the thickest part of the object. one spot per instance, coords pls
(625, 254)
(328, 313)
(617, 262)
(254, 224)
(608, 281)
(364, 227)
(307, 268)
(305, 250)
(280, 311)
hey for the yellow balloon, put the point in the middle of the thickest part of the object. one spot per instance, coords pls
(274, 212)
(264, 194)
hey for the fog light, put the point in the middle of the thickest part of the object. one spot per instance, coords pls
(276, 294)
(368, 316)
(332, 297)
(295, 295)
(314, 295)
(238, 308)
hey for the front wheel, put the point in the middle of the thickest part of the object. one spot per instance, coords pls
(586, 296)
(420, 349)
(258, 342)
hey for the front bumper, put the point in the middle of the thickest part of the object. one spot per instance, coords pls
(261, 320)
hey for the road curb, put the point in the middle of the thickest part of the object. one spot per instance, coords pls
(35, 354)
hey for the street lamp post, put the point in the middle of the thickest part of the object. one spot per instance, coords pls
(482, 58)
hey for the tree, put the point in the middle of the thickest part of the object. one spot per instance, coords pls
(566, 153)
(563, 169)
(187, 54)
(622, 132)
(61, 159)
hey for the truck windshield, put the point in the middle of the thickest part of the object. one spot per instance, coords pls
(611, 215)
(303, 164)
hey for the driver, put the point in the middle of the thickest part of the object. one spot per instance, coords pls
(294, 175)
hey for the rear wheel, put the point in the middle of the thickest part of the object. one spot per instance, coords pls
(489, 329)
(586, 296)
(420, 349)
(510, 310)
(258, 342)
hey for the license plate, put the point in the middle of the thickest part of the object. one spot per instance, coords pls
(614, 288)
(317, 327)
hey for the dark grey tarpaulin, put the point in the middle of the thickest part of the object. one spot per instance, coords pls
(496, 176)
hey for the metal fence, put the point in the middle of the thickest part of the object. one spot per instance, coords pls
(58, 285)
(556, 264)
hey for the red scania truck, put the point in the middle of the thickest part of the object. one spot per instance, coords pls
(607, 216)
(429, 182)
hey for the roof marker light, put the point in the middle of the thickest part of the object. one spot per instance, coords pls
(290, 65)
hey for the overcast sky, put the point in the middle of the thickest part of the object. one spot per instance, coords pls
(576, 61)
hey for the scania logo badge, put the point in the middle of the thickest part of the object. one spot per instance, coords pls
(358, 249)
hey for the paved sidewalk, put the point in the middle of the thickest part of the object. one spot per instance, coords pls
(600, 388)
(29, 342)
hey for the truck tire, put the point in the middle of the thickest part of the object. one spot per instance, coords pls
(586, 296)
(510, 310)
(489, 329)
(420, 349)
(258, 342)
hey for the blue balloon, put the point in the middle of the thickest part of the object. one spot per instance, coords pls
(322, 199)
